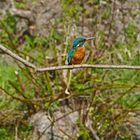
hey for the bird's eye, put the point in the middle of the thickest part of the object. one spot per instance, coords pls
(81, 43)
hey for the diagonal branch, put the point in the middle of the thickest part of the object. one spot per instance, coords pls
(17, 57)
(38, 69)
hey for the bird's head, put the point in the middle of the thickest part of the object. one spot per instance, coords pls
(80, 41)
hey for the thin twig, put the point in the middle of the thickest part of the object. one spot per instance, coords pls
(94, 133)
(38, 69)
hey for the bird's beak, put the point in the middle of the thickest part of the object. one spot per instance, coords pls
(90, 38)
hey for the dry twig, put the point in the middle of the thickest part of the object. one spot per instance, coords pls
(38, 69)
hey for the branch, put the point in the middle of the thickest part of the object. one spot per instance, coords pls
(94, 133)
(99, 66)
(17, 57)
(38, 69)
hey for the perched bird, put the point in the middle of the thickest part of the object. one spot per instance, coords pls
(77, 52)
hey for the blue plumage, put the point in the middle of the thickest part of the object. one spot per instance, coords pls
(80, 41)
(70, 54)
(77, 42)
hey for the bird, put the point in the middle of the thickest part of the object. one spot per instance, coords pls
(77, 52)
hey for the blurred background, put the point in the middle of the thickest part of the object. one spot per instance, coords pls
(103, 104)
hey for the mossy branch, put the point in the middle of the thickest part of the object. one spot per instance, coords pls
(38, 69)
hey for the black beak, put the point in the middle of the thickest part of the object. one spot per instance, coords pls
(90, 38)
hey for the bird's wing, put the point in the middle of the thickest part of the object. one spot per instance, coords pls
(70, 55)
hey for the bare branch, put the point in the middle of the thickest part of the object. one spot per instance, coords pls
(99, 66)
(17, 57)
(38, 69)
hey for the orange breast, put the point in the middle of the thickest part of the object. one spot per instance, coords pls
(78, 55)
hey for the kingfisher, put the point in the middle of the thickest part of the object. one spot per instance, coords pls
(77, 52)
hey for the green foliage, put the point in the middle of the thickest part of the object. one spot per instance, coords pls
(110, 95)
(7, 72)
(72, 9)
(4, 135)
(25, 131)
(32, 42)
(9, 24)
(131, 30)
(7, 35)
(132, 100)
(84, 135)
(106, 13)
(20, 5)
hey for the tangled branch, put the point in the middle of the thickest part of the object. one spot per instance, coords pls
(38, 69)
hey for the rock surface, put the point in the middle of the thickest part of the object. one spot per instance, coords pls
(54, 127)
